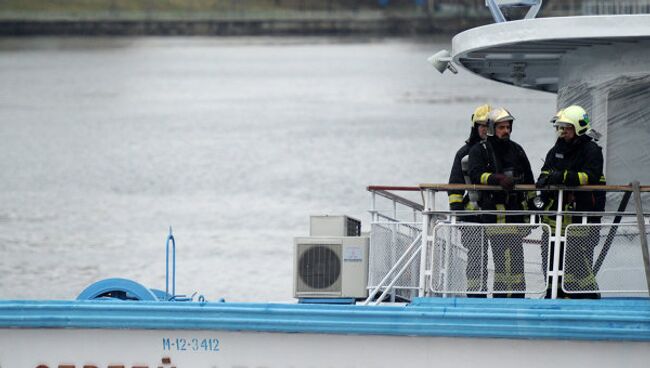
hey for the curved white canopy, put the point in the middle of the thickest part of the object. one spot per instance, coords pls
(528, 53)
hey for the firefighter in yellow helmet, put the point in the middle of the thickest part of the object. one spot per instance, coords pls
(500, 161)
(575, 160)
(460, 200)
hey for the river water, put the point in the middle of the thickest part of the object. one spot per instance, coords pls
(232, 141)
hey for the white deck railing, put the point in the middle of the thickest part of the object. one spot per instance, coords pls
(406, 263)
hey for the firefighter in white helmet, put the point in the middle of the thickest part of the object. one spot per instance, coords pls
(575, 160)
(500, 161)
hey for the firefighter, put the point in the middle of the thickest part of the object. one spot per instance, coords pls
(471, 236)
(575, 160)
(500, 161)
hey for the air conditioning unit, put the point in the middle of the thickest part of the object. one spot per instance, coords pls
(337, 225)
(331, 267)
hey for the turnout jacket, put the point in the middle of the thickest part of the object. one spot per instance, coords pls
(458, 199)
(574, 164)
(501, 157)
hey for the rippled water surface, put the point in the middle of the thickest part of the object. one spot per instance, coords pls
(234, 142)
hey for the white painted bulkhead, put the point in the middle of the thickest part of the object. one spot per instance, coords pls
(613, 83)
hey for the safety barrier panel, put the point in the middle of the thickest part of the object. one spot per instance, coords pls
(621, 273)
(497, 259)
(389, 241)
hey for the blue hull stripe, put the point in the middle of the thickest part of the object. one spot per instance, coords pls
(498, 318)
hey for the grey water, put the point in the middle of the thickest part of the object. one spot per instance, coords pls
(234, 142)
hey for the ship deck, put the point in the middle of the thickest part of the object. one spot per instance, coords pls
(593, 320)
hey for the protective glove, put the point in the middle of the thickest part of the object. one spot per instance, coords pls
(505, 181)
(456, 206)
(556, 177)
(542, 182)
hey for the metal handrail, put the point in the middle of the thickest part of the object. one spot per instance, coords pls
(395, 221)
(385, 191)
(527, 187)
(531, 212)
(401, 200)
(396, 199)
(519, 187)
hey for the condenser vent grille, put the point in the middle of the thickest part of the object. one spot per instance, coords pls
(319, 268)
(353, 227)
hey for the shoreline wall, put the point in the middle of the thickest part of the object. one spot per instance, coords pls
(380, 26)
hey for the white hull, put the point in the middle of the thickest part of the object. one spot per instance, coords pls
(26, 348)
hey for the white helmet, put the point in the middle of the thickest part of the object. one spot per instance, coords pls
(496, 116)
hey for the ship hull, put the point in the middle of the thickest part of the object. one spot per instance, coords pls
(426, 333)
(22, 348)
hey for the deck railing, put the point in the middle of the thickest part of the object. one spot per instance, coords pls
(609, 258)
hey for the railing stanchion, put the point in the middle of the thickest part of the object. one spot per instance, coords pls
(394, 209)
(445, 260)
(556, 249)
(373, 208)
(393, 248)
(636, 186)
(428, 206)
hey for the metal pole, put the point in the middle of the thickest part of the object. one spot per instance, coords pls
(428, 203)
(446, 259)
(642, 236)
(373, 210)
(173, 286)
(393, 247)
(495, 11)
(556, 249)
(484, 271)
(432, 6)
(394, 209)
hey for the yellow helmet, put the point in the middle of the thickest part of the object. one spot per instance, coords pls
(496, 116)
(480, 115)
(576, 116)
(554, 118)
